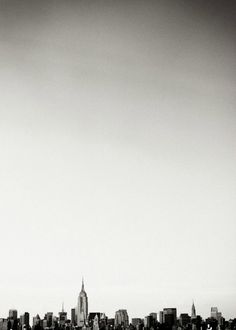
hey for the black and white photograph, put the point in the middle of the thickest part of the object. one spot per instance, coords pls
(117, 165)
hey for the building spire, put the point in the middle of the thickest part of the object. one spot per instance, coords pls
(193, 314)
(82, 283)
(62, 309)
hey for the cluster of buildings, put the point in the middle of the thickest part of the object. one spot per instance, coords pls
(81, 319)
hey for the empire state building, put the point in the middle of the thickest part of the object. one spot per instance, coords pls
(82, 307)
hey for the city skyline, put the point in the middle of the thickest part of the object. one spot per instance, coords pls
(118, 163)
(80, 307)
(168, 320)
(212, 310)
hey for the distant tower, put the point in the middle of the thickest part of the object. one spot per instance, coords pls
(82, 307)
(193, 314)
(62, 316)
(24, 321)
(13, 314)
(170, 316)
(73, 316)
(121, 318)
(36, 321)
(214, 312)
(95, 323)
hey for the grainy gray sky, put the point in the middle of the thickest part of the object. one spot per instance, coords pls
(117, 136)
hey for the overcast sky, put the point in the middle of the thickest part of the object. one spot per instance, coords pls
(118, 155)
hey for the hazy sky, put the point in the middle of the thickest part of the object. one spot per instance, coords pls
(118, 155)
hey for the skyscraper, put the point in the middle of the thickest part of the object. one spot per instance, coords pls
(154, 315)
(193, 314)
(13, 319)
(82, 307)
(214, 312)
(49, 319)
(95, 323)
(36, 321)
(184, 319)
(73, 316)
(136, 322)
(4, 324)
(62, 316)
(24, 321)
(161, 317)
(170, 316)
(121, 318)
(13, 314)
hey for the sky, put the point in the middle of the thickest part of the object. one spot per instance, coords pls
(118, 162)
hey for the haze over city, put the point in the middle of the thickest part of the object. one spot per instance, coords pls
(118, 163)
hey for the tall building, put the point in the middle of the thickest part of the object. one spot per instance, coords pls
(214, 312)
(82, 307)
(147, 322)
(193, 313)
(102, 319)
(184, 319)
(136, 322)
(95, 323)
(121, 318)
(24, 321)
(150, 321)
(110, 323)
(73, 316)
(62, 316)
(169, 316)
(44, 323)
(13, 314)
(36, 321)
(161, 317)
(13, 319)
(154, 316)
(4, 324)
(48, 318)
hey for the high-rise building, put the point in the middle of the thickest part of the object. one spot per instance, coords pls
(13, 314)
(62, 316)
(110, 323)
(48, 318)
(121, 318)
(214, 312)
(193, 313)
(73, 316)
(24, 321)
(169, 316)
(102, 319)
(147, 322)
(150, 321)
(184, 319)
(154, 316)
(95, 323)
(136, 322)
(161, 317)
(55, 321)
(4, 324)
(13, 319)
(82, 307)
(36, 321)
